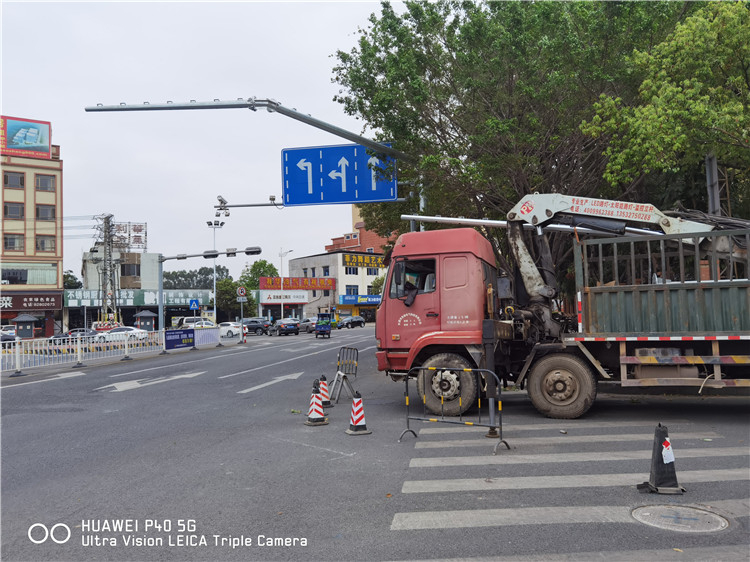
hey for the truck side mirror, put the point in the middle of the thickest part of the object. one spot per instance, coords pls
(397, 273)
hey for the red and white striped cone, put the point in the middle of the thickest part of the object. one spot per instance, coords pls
(315, 413)
(324, 395)
(357, 425)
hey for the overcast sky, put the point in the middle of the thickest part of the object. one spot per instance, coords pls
(167, 168)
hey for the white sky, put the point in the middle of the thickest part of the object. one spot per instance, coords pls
(167, 168)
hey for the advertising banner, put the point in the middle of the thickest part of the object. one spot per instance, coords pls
(177, 339)
(25, 137)
(31, 301)
(363, 260)
(304, 283)
(275, 297)
(359, 299)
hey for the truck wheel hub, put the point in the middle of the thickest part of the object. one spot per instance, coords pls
(560, 386)
(445, 384)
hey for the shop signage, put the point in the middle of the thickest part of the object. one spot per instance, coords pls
(275, 297)
(359, 299)
(305, 283)
(363, 260)
(137, 297)
(31, 301)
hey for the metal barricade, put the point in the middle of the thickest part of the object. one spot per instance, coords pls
(494, 422)
(346, 366)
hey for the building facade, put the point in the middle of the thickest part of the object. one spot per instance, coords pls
(32, 252)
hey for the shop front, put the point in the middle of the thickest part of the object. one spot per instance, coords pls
(358, 305)
(283, 304)
(43, 305)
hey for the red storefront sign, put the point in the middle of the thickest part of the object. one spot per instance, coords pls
(299, 283)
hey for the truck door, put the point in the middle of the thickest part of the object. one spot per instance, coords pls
(414, 303)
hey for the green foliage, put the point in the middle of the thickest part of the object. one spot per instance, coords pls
(227, 306)
(202, 278)
(488, 98)
(693, 99)
(70, 281)
(250, 278)
(377, 285)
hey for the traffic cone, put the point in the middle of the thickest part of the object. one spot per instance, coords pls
(663, 479)
(315, 413)
(324, 396)
(357, 425)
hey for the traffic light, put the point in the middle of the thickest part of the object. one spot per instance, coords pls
(210, 254)
(231, 252)
(252, 250)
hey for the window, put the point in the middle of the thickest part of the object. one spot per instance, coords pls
(347, 237)
(373, 271)
(44, 182)
(326, 293)
(315, 294)
(313, 272)
(411, 274)
(354, 236)
(304, 272)
(29, 274)
(130, 269)
(352, 289)
(370, 250)
(13, 211)
(13, 180)
(13, 242)
(45, 243)
(369, 290)
(351, 270)
(45, 212)
(326, 271)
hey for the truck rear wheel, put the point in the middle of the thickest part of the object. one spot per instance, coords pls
(562, 386)
(448, 389)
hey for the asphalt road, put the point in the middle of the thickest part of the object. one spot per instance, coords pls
(205, 456)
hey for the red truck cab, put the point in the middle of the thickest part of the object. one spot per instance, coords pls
(434, 298)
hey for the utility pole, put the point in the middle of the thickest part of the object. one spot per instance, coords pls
(109, 275)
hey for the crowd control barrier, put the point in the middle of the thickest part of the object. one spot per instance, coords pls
(346, 366)
(492, 420)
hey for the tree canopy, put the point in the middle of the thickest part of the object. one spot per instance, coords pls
(202, 278)
(250, 278)
(488, 98)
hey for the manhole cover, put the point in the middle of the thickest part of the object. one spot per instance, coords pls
(680, 518)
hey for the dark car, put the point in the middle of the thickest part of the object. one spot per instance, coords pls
(256, 326)
(73, 334)
(285, 326)
(351, 322)
(7, 337)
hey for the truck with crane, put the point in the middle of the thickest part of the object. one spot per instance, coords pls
(661, 300)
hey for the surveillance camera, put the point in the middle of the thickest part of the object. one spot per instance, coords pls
(226, 213)
(222, 201)
(272, 198)
(218, 214)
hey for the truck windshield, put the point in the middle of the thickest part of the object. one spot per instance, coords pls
(412, 273)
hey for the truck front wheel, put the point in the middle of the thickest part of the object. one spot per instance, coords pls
(562, 386)
(448, 389)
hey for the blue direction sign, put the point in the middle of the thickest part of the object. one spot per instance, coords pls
(324, 175)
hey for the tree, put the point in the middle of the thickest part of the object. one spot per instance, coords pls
(202, 278)
(488, 98)
(70, 281)
(250, 278)
(377, 285)
(693, 99)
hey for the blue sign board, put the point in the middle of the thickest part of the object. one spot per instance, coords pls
(176, 339)
(359, 299)
(324, 175)
(195, 304)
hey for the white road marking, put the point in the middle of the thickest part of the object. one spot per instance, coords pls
(566, 481)
(131, 385)
(50, 379)
(505, 458)
(272, 381)
(561, 439)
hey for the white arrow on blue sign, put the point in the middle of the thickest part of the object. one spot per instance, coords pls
(324, 175)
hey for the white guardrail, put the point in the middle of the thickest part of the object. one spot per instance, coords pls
(48, 352)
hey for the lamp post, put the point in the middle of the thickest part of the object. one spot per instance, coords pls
(214, 225)
(282, 255)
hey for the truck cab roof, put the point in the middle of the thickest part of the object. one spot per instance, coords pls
(458, 240)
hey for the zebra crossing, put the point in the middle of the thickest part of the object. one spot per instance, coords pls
(452, 466)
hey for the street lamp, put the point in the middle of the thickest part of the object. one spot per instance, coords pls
(282, 255)
(214, 225)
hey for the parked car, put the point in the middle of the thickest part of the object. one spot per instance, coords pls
(122, 333)
(308, 324)
(73, 334)
(351, 322)
(229, 329)
(190, 321)
(201, 324)
(8, 330)
(257, 326)
(6, 337)
(285, 326)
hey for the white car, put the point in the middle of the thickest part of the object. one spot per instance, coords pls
(122, 333)
(229, 329)
(8, 330)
